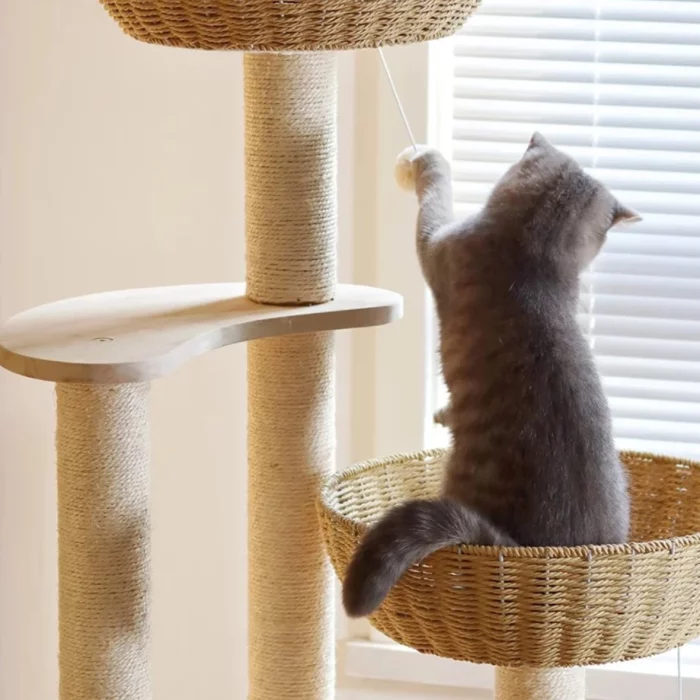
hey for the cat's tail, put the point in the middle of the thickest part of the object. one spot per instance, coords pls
(404, 536)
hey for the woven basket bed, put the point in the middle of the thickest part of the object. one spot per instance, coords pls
(288, 25)
(535, 607)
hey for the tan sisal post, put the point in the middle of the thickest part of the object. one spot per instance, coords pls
(290, 171)
(102, 445)
(540, 684)
(290, 108)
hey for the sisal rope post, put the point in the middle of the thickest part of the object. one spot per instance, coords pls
(540, 684)
(290, 172)
(102, 446)
(290, 120)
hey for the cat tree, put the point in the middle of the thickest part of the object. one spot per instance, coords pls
(103, 350)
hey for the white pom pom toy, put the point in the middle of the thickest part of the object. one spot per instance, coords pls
(405, 169)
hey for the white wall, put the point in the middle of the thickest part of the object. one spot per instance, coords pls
(121, 166)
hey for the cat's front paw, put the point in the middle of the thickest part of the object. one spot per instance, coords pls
(412, 162)
(442, 417)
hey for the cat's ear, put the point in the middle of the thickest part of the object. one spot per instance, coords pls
(537, 141)
(624, 215)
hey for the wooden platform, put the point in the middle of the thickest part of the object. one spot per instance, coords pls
(141, 334)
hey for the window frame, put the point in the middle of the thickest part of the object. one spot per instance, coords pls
(401, 408)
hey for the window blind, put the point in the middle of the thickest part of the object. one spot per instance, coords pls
(615, 83)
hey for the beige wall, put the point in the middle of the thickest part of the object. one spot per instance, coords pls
(121, 166)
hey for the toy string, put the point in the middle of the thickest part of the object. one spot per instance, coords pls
(397, 98)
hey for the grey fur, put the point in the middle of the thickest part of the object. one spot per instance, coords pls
(533, 460)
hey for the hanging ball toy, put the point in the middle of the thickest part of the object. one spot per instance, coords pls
(405, 169)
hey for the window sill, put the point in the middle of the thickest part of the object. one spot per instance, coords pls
(653, 678)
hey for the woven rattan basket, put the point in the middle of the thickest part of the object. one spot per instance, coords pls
(288, 25)
(535, 607)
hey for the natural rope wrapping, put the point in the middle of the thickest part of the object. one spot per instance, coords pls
(290, 104)
(290, 148)
(102, 445)
(291, 448)
(540, 684)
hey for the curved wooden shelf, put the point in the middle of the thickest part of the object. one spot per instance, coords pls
(141, 334)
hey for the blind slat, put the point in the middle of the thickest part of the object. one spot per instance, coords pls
(571, 50)
(616, 178)
(635, 10)
(667, 431)
(641, 307)
(468, 151)
(648, 265)
(652, 225)
(641, 244)
(638, 285)
(500, 120)
(586, 73)
(632, 388)
(579, 93)
(645, 368)
(647, 348)
(645, 329)
(590, 30)
(656, 409)
(643, 201)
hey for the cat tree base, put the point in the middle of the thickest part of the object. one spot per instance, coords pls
(540, 684)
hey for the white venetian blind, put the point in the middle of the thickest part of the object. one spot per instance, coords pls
(615, 83)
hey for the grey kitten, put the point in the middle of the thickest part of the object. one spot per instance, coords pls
(533, 461)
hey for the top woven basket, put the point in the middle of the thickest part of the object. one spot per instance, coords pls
(535, 607)
(288, 25)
